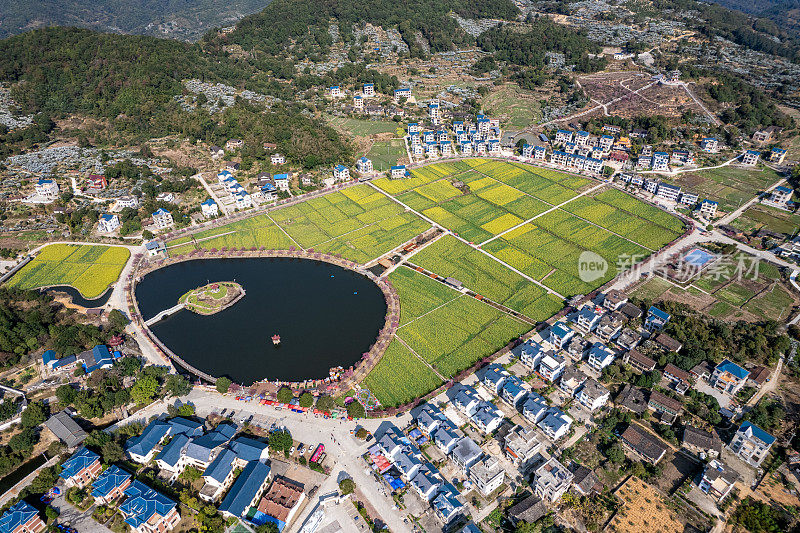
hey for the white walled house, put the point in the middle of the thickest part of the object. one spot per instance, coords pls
(162, 218)
(47, 189)
(277, 159)
(209, 208)
(341, 173)
(364, 165)
(107, 223)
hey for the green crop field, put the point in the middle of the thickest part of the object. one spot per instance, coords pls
(537, 221)
(759, 217)
(400, 376)
(88, 268)
(362, 127)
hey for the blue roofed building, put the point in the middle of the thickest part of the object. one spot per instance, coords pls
(246, 490)
(219, 475)
(147, 510)
(751, 443)
(48, 358)
(202, 450)
(656, 319)
(96, 358)
(111, 485)
(248, 449)
(142, 448)
(560, 334)
(80, 469)
(184, 426)
(729, 377)
(21, 518)
(169, 457)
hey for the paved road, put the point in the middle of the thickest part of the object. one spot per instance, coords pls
(733, 215)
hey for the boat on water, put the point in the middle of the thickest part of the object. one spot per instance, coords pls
(276, 339)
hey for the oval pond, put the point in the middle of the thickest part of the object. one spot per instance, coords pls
(327, 316)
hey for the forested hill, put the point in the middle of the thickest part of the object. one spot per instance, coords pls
(131, 81)
(303, 27)
(176, 19)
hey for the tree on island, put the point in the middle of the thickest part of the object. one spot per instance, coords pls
(223, 384)
(306, 399)
(285, 395)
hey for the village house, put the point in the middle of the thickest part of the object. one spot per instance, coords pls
(639, 361)
(96, 183)
(668, 343)
(609, 326)
(551, 367)
(65, 429)
(750, 158)
(552, 480)
(466, 454)
(403, 92)
(364, 165)
(154, 248)
(534, 408)
(167, 197)
(529, 353)
(651, 185)
(563, 137)
(577, 348)
(584, 481)
(368, 90)
(522, 445)
(668, 192)
(341, 173)
(560, 334)
(358, 102)
(729, 377)
(147, 510)
(633, 399)
(751, 443)
(555, 424)
(282, 501)
(234, 144)
(162, 218)
(487, 475)
(80, 469)
(593, 395)
(689, 199)
(614, 299)
(215, 151)
(571, 380)
(209, 208)
(399, 171)
(710, 145)
(494, 377)
(587, 319)
(759, 375)
(246, 490)
(513, 391)
(780, 197)
(124, 202)
(110, 486)
(47, 189)
(656, 319)
(718, 480)
(107, 223)
(777, 156)
(142, 448)
(230, 166)
(21, 518)
(660, 162)
(628, 339)
(701, 442)
(600, 356)
(708, 209)
(669, 408)
(644, 445)
(282, 181)
(277, 159)
(678, 378)
(335, 91)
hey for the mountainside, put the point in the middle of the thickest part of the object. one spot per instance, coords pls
(177, 19)
(785, 14)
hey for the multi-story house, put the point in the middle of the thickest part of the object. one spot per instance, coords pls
(780, 197)
(593, 395)
(369, 90)
(513, 391)
(494, 377)
(335, 91)
(750, 158)
(656, 319)
(551, 367)
(709, 144)
(162, 218)
(277, 159)
(668, 192)
(107, 223)
(610, 325)
(708, 209)
(718, 480)
(22, 518)
(47, 189)
(555, 423)
(563, 136)
(552, 480)
(487, 475)
(534, 408)
(522, 445)
(689, 198)
(560, 334)
(587, 319)
(571, 380)
(660, 161)
(146, 510)
(80, 469)
(600, 356)
(614, 299)
(341, 173)
(729, 377)
(777, 156)
(751, 443)
(110, 486)
(364, 165)
(399, 171)
(209, 208)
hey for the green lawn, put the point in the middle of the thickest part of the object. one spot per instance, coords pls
(362, 127)
(88, 268)
(764, 217)
(509, 102)
(384, 154)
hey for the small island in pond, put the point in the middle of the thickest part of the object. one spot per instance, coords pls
(212, 298)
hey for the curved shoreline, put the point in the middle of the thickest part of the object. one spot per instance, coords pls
(344, 381)
(55, 288)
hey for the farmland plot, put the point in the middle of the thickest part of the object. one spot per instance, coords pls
(400, 376)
